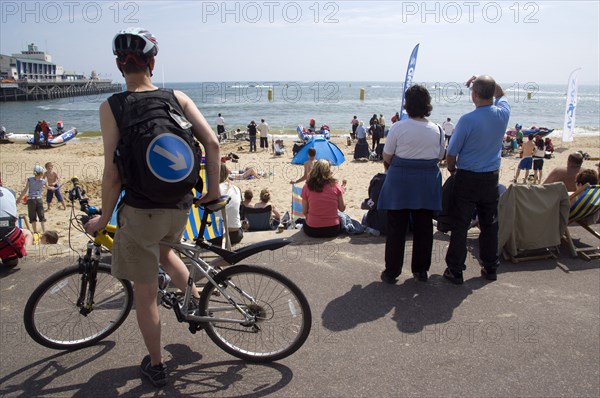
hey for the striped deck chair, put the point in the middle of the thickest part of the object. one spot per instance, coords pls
(584, 209)
(296, 203)
(215, 224)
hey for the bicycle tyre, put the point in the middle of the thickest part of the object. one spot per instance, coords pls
(52, 317)
(284, 314)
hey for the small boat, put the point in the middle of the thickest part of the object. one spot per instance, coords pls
(541, 131)
(63, 138)
(19, 138)
(305, 134)
(58, 140)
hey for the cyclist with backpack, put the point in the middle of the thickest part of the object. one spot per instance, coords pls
(151, 153)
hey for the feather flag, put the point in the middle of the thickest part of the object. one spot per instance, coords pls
(410, 71)
(569, 126)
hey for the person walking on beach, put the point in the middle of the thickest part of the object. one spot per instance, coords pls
(263, 127)
(354, 124)
(46, 132)
(53, 180)
(413, 186)
(144, 217)
(35, 205)
(376, 134)
(474, 158)
(382, 124)
(220, 121)
(538, 159)
(252, 135)
(308, 165)
(37, 131)
(361, 133)
(527, 161)
(448, 128)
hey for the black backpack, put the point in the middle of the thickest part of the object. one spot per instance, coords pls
(157, 155)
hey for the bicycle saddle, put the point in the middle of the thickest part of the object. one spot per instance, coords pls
(217, 204)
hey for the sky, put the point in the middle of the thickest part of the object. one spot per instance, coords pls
(265, 41)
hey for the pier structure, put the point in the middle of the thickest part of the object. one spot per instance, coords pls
(31, 75)
(47, 89)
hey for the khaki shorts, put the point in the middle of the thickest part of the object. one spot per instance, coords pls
(136, 249)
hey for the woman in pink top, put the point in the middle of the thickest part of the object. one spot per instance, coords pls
(322, 197)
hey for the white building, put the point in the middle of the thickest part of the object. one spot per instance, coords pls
(34, 65)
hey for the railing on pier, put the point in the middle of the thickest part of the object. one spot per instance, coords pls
(52, 89)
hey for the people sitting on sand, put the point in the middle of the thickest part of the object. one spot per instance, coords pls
(244, 174)
(232, 210)
(549, 145)
(567, 175)
(47, 238)
(308, 165)
(278, 148)
(322, 197)
(265, 200)
(374, 218)
(248, 195)
(585, 176)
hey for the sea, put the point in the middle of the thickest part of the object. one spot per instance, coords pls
(285, 105)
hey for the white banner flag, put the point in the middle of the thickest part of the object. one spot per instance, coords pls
(569, 126)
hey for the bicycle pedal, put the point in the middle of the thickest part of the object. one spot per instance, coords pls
(194, 327)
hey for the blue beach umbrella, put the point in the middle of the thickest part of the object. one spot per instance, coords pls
(325, 150)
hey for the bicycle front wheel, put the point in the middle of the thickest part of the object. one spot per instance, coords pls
(53, 319)
(281, 314)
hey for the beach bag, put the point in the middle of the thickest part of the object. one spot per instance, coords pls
(157, 155)
(12, 244)
(350, 226)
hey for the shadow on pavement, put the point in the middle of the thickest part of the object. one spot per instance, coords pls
(187, 377)
(416, 304)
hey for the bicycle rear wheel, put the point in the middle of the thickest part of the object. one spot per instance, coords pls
(282, 314)
(52, 316)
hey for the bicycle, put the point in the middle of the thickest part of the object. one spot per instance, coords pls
(251, 312)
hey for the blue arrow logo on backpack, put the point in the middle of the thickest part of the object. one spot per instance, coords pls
(169, 158)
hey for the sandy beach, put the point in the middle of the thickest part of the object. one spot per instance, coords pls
(84, 159)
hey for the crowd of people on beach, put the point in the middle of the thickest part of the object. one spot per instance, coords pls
(406, 195)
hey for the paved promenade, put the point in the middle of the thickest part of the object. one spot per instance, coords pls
(534, 332)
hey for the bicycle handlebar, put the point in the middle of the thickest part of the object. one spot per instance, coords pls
(77, 193)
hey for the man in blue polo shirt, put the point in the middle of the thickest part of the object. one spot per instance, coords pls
(474, 155)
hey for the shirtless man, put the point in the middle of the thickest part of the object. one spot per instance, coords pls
(308, 165)
(567, 175)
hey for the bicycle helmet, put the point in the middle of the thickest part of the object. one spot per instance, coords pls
(518, 126)
(38, 169)
(136, 41)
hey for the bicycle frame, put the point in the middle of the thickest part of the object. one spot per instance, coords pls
(199, 266)
(192, 252)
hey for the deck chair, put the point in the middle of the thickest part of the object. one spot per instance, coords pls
(258, 219)
(214, 228)
(584, 209)
(532, 220)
